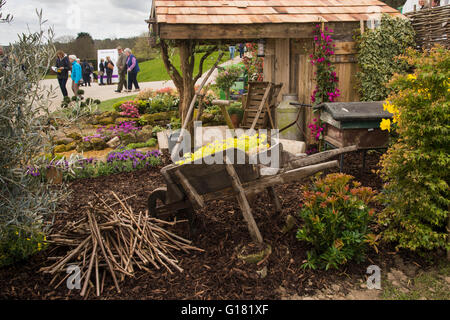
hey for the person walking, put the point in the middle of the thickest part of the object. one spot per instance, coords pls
(122, 67)
(132, 69)
(232, 49)
(109, 67)
(76, 74)
(241, 50)
(86, 68)
(101, 72)
(63, 67)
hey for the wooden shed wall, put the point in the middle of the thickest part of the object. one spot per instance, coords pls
(287, 61)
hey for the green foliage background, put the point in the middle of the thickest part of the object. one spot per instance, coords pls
(377, 52)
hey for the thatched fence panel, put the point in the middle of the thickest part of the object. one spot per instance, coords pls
(432, 26)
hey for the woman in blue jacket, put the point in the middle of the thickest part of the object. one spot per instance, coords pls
(76, 74)
(132, 69)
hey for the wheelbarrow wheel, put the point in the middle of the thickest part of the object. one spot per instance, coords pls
(158, 195)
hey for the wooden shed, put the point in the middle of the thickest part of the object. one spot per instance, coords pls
(285, 25)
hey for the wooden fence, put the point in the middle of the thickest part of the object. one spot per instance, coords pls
(432, 26)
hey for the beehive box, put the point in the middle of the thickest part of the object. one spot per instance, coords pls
(355, 123)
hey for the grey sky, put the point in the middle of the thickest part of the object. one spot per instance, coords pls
(101, 18)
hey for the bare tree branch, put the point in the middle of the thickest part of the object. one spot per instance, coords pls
(173, 72)
(8, 17)
(202, 61)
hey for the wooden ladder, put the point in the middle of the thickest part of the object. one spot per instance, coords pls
(261, 100)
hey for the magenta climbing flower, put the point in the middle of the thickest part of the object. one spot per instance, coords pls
(326, 77)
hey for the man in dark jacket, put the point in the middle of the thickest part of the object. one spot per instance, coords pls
(63, 67)
(101, 72)
(86, 69)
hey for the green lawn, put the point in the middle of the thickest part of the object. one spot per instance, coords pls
(107, 104)
(154, 70)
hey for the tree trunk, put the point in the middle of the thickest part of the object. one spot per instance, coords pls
(187, 60)
(184, 81)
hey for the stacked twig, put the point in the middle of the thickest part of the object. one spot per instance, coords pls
(115, 242)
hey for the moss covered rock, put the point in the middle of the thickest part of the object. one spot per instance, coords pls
(122, 119)
(64, 141)
(144, 134)
(98, 144)
(60, 148)
(84, 146)
(106, 120)
(75, 136)
(71, 146)
(160, 117)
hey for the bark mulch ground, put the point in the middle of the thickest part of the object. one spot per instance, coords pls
(217, 273)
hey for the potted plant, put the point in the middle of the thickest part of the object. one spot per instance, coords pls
(227, 77)
(236, 114)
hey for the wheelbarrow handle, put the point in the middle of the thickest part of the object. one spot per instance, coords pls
(300, 104)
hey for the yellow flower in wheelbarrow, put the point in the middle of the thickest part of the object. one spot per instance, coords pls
(244, 142)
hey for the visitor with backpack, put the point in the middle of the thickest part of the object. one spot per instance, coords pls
(132, 69)
(109, 67)
(87, 70)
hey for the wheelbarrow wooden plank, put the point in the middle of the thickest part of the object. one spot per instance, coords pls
(316, 158)
(205, 178)
(258, 186)
(243, 203)
(190, 190)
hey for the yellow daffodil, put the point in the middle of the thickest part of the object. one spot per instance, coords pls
(385, 124)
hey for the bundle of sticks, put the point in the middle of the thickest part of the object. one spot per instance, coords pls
(114, 241)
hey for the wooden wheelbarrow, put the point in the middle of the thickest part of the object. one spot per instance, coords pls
(190, 186)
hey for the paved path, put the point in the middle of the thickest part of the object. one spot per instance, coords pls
(107, 92)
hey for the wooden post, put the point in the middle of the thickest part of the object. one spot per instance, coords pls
(275, 199)
(243, 202)
(222, 104)
(190, 190)
(361, 25)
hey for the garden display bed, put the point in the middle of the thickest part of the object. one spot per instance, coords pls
(217, 273)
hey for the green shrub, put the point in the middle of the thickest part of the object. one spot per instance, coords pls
(27, 204)
(157, 129)
(175, 123)
(336, 218)
(416, 168)
(148, 144)
(117, 106)
(377, 52)
(162, 103)
(17, 244)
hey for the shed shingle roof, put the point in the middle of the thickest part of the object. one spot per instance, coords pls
(267, 11)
